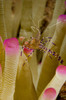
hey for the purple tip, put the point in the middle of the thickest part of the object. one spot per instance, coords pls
(61, 70)
(39, 63)
(62, 18)
(11, 46)
(0, 68)
(49, 94)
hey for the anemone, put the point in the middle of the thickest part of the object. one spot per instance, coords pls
(32, 49)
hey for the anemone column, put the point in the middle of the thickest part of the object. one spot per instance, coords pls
(10, 71)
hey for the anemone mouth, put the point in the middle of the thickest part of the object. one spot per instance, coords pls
(61, 70)
(62, 18)
(11, 45)
(49, 93)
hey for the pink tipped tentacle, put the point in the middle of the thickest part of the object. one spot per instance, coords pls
(49, 94)
(62, 18)
(61, 71)
(11, 46)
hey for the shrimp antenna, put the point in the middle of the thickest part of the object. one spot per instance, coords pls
(54, 24)
(34, 28)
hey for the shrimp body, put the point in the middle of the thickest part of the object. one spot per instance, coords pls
(31, 44)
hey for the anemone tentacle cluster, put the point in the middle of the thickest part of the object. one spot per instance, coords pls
(32, 49)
